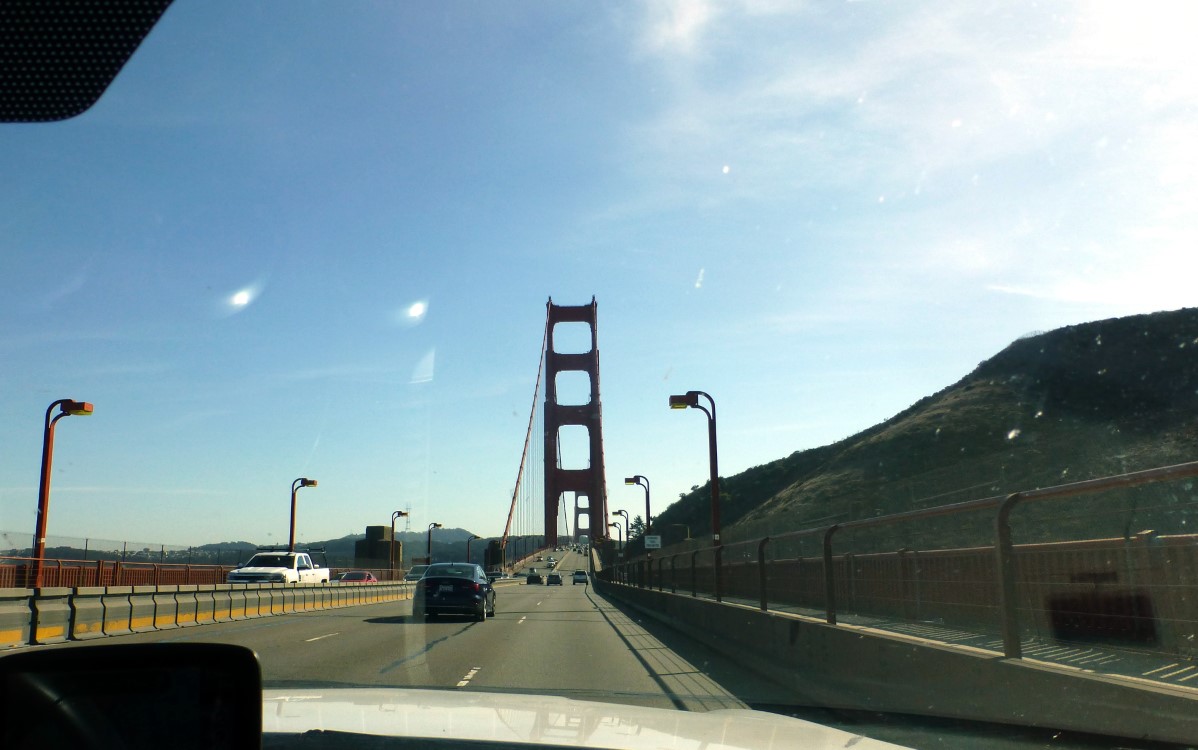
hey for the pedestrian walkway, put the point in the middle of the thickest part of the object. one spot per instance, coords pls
(1097, 658)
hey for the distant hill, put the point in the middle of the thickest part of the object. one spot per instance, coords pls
(1075, 403)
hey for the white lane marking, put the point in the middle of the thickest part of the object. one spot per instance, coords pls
(538, 604)
(1158, 669)
(522, 619)
(317, 638)
(469, 676)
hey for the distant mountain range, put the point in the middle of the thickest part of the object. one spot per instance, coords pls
(448, 544)
(1075, 403)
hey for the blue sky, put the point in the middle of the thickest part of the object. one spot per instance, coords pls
(816, 212)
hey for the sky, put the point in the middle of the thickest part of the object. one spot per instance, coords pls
(319, 243)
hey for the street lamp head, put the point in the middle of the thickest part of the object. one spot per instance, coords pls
(398, 514)
(434, 525)
(614, 524)
(305, 482)
(77, 408)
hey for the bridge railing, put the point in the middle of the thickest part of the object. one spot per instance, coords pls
(1137, 590)
(16, 572)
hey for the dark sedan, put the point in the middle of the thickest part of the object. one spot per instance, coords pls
(534, 576)
(454, 589)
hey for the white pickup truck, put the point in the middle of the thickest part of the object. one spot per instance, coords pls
(279, 567)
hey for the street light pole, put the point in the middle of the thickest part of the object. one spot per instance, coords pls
(301, 482)
(69, 407)
(627, 527)
(391, 554)
(643, 482)
(468, 541)
(620, 532)
(431, 526)
(691, 399)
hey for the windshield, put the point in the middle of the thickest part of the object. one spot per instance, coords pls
(270, 561)
(344, 276)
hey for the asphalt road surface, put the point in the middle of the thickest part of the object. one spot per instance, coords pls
(561, 640)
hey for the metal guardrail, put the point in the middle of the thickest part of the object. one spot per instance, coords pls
(836, 570)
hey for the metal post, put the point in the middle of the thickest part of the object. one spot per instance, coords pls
(1005, 551)
(761, 572)
(829, 577)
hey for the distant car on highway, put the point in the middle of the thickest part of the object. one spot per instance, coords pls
(534, 576)
(416, 573)
(454, 589)
(357, 576)
(493, 575)
(553, 579)
(580, 576)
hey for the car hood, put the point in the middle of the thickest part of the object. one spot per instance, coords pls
(540, 720)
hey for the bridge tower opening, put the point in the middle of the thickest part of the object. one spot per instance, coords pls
(585, 481)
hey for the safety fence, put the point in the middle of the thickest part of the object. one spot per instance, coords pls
(1137, 591)
(18, 572)
(57, 614)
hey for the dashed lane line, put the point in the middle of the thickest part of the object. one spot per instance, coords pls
(319, 637)
(469, 676)
(522, 619)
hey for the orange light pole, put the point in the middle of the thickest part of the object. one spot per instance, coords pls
(69, 407)
(394, 515)
(431, 526)
(691, 400)
(301, 482)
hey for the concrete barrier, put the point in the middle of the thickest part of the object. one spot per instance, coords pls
(325, 596)
(117, 610)
(15, 617)
(253, 599)
(87, 613)
(204, 605)
(141, 608)
(237, 600)
(54, 615)
(846, 666)
(166, 609)
(222, 602)
(51, 615)
(290, 595)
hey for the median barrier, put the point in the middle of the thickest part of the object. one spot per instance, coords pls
(87, 613)
(186, 605)
(292, 596)
(251, 598)
(309, 593)
(324, 596)
(205, 604)
(141, 608)
(275, 592)
(51, 615)
(222, 600)
(340, 594)
(166, 609)
(863, 669)
(15, 611)
(117, 611)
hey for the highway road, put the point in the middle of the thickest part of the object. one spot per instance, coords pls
(566, 641)
(561, 640)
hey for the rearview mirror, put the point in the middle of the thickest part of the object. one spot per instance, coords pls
(135, 696)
